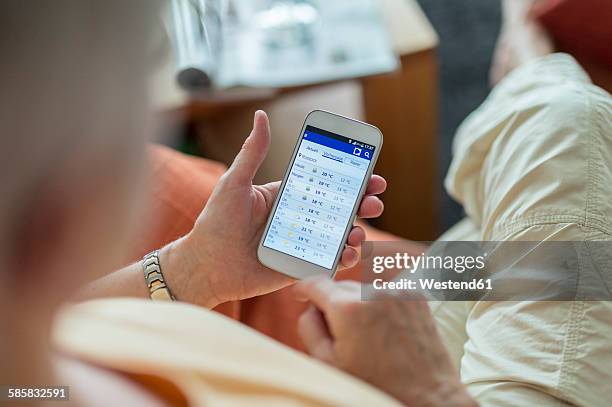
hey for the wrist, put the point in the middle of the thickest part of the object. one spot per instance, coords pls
(185, 274)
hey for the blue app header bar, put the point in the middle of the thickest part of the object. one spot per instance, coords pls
(344, 146)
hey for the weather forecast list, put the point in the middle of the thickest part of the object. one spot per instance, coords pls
(318, 199)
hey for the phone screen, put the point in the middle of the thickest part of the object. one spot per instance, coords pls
(319, 196)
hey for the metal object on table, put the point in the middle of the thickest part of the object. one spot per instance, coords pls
(198, 41)
(223, 45)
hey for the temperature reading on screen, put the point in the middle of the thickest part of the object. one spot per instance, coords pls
(319, 196)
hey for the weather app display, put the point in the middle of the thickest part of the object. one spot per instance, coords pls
(319, 196)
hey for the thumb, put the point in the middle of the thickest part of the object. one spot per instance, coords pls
(253, 151)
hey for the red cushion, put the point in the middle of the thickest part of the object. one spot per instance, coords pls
(580, 27)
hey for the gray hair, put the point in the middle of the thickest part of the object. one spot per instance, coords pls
(72, 84)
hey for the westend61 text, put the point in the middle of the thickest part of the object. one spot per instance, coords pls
(433, 284)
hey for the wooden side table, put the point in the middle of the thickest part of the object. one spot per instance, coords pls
(404, 105)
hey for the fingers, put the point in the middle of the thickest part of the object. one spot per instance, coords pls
(356, 237)
(350, 257)
(317, 290)
(377, 185)
(253, 151)
(371, 207)
(315, 335)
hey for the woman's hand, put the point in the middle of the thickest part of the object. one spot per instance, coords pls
(217, 261)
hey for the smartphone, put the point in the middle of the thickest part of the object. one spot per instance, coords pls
(320, 194)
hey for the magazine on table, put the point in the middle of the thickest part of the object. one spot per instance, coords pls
(226, 44)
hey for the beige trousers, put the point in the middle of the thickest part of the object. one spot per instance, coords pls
(534, 163)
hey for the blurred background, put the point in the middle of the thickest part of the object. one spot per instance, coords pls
(468, 31)
(414, 68)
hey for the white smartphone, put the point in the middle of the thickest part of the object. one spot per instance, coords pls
(320, 194)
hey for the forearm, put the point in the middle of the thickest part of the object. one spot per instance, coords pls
(130, 281)
(126, 282)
